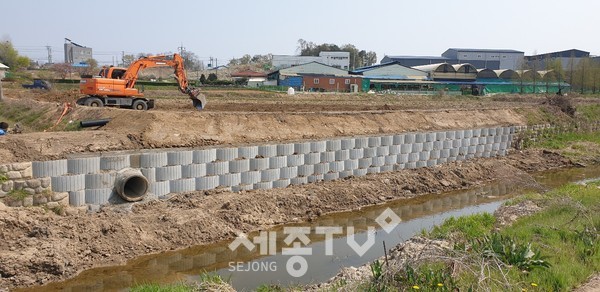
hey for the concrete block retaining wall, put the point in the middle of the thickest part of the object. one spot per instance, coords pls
(91, 180)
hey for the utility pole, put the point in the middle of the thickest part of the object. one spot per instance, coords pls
(123, 58)
(49, 48)
(181, 49)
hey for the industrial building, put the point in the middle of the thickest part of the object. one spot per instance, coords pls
(316, 76)
(336, 59)
(569, 59)
(75, 53)
(411, 61)
(486, 58)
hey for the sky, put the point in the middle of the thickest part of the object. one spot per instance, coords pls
(226, 29)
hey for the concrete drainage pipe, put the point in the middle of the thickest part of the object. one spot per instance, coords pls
(131, 185)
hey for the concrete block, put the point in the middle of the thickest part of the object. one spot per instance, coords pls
(497, 138)
(374, 141)
(373, 169)
(357, 153)
(390, 159)
(83, 165)
(117, 162)
(378, 161)
(267, 150)
(502, 153)
(486, 154)
(204, 156)
(250, 177)
(299, 180)
(457, 143)
(424, 155)
(487, 147)
(270, 174)
(247, 152)
(430, 137)
(432, 162)
(192, 170)
(318, 146)
(454, 152)
(399, 167)
(49, 168)
(466, 142)
(227, 154)
(467, 133)
(469, 156)
(180, 157)
(413, 157)
(484, 132)
(153, 159)
(410, 138)
(410, 165)
(365, 162)
(434, 154)
(312, 158)
(359, 172)
(482, 140)
(217, 168)
(503, 146)
(321, 168)
(229, 179)
(327, 157)
(476, 132)
(386, 168)
(239, 188)
(263, 185)
(288, 172)
(285, 149)
(259, 163)
(182, 185)
(405, 148)
(302, 148)
(474, 141)
(427, 146)
(331, 176)
(493, 153)
(417, 147)
(101, 180)
(398, 139)
(387, 140)
(361, 142)
(472, 150)
(351, 164)
(478, 154)
(168, 173)
(442, 160)
(444, 153)
(450, 135)
(148, 173)
(282, 183)
(447, 144)
(451, 159)
(420, 138)
(68, 183)
(315, 178)
(306, 170)
(238, 166)
(277, 162)
(421, 164)
(207, 182)
(395, 149)
(495, 146)
(440, 136)
(348, 144)
(342, 155)
(492, 131)
(98, 196)
(480, 149)
(77, 198)
(336, 166)
(437, 145)
(489, 140)
(383, 150)
(504, 138)
(369, 152)
(295, 160)
(402, 158)
(346, 173)
(333, 145)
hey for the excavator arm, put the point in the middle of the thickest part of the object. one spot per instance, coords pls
(175, 61)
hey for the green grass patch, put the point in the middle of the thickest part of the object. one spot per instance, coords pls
(466, 227)
(177, 287)
(589, 112)
(3, 178)
(563, 140)
(28, 117)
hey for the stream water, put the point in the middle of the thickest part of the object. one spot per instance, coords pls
(277, 262)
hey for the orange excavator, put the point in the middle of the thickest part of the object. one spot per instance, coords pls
(115, 86)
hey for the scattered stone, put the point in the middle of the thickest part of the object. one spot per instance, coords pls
(12, 175)
(28, 201)
(58, 196)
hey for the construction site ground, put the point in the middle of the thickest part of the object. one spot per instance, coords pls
(38, 246)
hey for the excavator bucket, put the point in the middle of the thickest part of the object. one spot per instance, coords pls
(198, 100)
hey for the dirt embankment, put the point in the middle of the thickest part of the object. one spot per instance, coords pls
(38, 246)
(130, 129)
